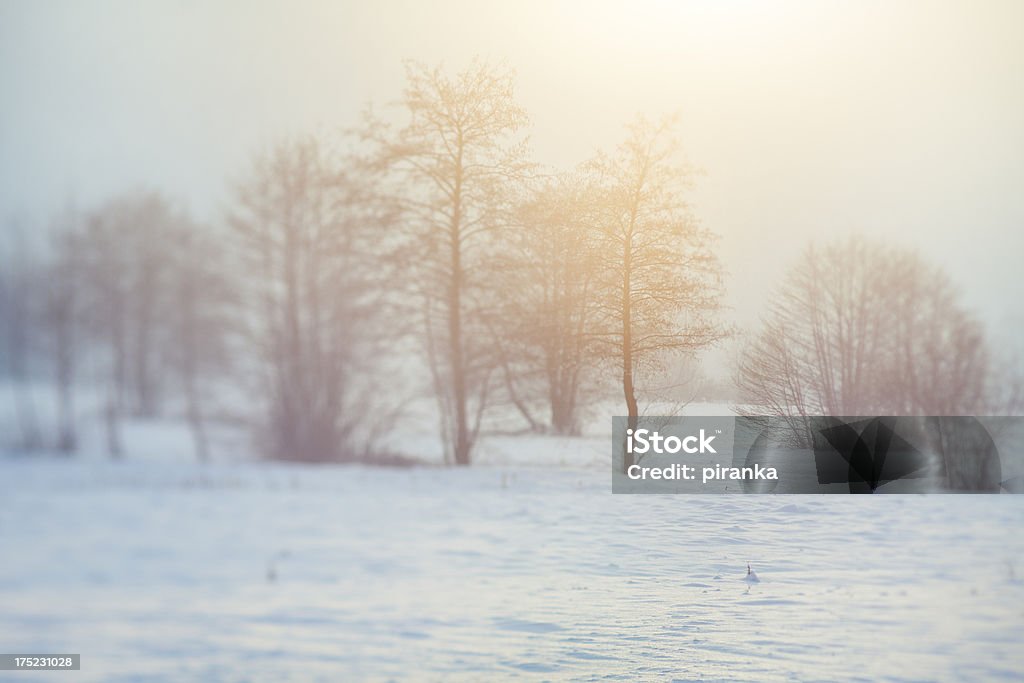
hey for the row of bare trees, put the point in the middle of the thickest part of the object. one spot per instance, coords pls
(427, 251)
(127, 298)
(430, 247)
(860, 328)
(529, 283)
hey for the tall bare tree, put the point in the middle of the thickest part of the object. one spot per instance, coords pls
(304, 245)
(661, 281)
(456, 164)
(104, 261)
(200, 319)
(123, 263)
(62, 321)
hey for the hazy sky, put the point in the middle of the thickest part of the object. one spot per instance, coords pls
(903, 121)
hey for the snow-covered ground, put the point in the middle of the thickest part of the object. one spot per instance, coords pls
(161, 571)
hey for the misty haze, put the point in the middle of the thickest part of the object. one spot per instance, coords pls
(314, 319)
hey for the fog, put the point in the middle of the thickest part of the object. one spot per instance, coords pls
(315, 362)
(809, 120)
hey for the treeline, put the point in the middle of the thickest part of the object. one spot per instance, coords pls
(426, 253)
(428, 246)
(129, 300)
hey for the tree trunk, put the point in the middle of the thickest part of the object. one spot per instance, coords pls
(628, 389)
(67, 441)
(113, 429)
(563, 413)
(462, 443)
(194, 408)
(195, 421)
(144, 403)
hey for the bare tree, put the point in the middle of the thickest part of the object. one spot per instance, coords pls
(62, 323)
(123, 259)
(456, 163)
(860, 328)
(310, 301)
(102, 264)
(547, 315)
(200, 320)
(19, 312)
(661, 282)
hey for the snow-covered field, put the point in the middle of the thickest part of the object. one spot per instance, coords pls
(162, 572)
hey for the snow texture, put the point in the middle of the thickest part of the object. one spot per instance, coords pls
(170, 571)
